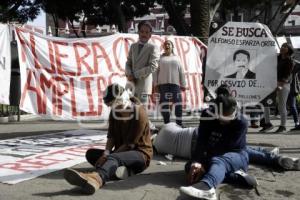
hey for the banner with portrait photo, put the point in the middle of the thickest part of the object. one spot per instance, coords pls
(243, 56)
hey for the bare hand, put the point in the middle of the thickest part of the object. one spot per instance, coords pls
(196, 172)
(101, 161)
(130, 78)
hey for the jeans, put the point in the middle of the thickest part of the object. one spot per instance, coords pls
(224, 166)
(293, 108)
(260, 156)
(282, 95)
(170, 93)
(133, 160)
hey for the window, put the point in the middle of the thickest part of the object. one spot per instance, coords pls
(240, 17)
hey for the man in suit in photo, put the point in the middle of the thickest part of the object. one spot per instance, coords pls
(142, 61)
(241, 59)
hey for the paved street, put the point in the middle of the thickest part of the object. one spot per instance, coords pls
(158, 181)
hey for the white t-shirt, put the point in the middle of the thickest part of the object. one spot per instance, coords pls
(172, 139)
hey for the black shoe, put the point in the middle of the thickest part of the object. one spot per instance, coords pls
(281, 129)
(262, 122)
(297, 128)
(247, 179)
(267, 127)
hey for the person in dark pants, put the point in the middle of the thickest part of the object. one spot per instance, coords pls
(128, 148)
(170, 82)
(220, 147)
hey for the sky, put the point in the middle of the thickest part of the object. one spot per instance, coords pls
(40, 21)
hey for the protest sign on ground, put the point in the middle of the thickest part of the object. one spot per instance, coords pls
(29, 157)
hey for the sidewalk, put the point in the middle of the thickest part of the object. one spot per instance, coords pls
(158, 181)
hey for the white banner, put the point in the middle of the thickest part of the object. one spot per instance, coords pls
(295, 40)
(66, 77)
(243, 56)
(5, 64)
(29, 157)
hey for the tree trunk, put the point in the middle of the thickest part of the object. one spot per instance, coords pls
(200, 19)
(119, 15)
(175, 19)
(73, 28)
(55, 20)
(235, 17)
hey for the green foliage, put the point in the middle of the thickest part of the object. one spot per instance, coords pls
(18, 10)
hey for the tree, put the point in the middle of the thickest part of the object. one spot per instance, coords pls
(176, 10)
(119, 12)
(263, 9)
(18, 10)
(200, 19)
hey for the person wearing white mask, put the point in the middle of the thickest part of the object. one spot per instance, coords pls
(128, 148)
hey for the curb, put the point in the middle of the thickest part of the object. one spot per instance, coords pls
(14, 118)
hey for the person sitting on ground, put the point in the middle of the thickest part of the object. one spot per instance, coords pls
(220, 148)
(128, 148)
(179, 142)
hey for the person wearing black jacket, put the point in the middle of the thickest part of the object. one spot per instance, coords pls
(220, 147)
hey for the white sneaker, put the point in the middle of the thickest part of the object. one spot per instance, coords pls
(289, 163)
(201, 194)
(122, 173)
(275, 151)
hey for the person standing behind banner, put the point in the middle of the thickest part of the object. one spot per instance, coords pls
(128, 146)
(169, 80)
(284, 78)
(142, 61)
(294, 92)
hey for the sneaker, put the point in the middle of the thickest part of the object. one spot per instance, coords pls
(289, 163)
(297, 128)
(201, 194)
(169, 157)
(275, 151)
(247, 179)
(88, 182)
(267, 127)
(281, 129)
(123, 173)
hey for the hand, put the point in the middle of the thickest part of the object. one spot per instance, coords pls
(155, 89)
(130, 78)
(196, 172)
(101, 161)
(122, 148)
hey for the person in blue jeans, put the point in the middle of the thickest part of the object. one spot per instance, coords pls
(177, 141)
(220, 147)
